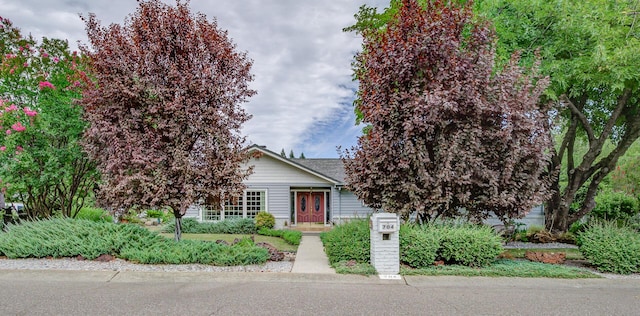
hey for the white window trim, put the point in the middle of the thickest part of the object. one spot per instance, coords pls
(244, 205)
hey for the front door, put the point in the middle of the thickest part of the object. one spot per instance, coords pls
(310, 207)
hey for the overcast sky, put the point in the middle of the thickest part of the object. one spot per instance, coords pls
(302, 60)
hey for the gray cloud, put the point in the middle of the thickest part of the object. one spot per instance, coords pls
(302, 60)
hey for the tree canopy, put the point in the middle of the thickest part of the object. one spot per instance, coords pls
(42, 162)
(165, 109)
(448, 130)
(590, 51)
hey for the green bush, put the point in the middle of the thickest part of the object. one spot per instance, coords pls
(265, 220)
(615, 206)
(155, 214)
(419, 245)
(469, 245)
(63, 237)
(611, 248)
(94, 214)
(228, 226)
(348, 241)
(292, 237)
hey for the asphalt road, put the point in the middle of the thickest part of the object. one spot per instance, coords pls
(184, 293)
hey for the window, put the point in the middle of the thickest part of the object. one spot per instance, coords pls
(210, 213)
(255, 203)
(247, 206)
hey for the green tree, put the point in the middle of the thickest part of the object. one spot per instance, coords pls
(282, 153)
(165, 115)
(448, 130)
(42, 163)
(291, 155)
(590, 51)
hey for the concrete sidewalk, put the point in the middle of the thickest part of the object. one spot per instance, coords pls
(310, 257)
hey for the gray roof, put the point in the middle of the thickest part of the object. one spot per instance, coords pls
(330, 167)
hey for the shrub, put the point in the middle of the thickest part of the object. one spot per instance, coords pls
(611, 248)
(228, 226)
(63, 237)
(155, 214)
(348, 241)
(292, 237)
(265, 220)
(94, 214)
(469, 245)
(615, 206)
(419, 246)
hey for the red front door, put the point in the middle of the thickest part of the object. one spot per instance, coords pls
(310, 207)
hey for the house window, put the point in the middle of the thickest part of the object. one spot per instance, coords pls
(246, 206)
(255, 203)
(210, 213)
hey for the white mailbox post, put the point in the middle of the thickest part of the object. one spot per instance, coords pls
(385, 243)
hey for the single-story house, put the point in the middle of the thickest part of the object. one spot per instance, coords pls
(299, 191)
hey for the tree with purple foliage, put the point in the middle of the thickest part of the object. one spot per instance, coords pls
(447, 129)
(165, 109)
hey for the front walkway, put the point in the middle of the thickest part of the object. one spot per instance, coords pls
(310, 257)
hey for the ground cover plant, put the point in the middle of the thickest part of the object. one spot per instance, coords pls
(277, 242)
(71, 237)
(611, 248)
(227, 226)
(519, 253)
(505, 268)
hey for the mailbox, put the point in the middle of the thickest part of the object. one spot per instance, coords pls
(385, 243)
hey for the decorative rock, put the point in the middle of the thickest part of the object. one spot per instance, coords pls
(546, 257)
(274, 254)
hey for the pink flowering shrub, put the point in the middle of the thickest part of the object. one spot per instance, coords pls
(45, 85)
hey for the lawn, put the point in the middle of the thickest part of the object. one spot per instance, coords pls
(506, 268)
(277, 242)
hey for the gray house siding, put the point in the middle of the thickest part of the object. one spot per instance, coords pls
(534, 218)
(347, 206)
(278, 201)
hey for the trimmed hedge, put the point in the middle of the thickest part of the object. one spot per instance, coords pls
(611, 248)
(420, 245)
(228, 226)
(348, 241)
(292, 237)
(64, 237)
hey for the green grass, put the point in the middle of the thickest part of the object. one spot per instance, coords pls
(277, 242)
(505, 268)
(571, 253)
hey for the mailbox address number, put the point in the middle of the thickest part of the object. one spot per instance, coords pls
(387, 227)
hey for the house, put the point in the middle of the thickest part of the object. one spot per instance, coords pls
(299, 192)
(295, 191)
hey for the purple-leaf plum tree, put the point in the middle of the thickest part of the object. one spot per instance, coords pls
(165, 109)
(447, 128)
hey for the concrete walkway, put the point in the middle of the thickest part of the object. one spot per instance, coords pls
(310, 257)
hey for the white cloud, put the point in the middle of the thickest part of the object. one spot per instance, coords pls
(302, 60)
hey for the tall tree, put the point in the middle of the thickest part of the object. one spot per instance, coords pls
(590, 51)
(165, 109)
(447, 129)
(282, 153)
(42, 163)
(291, 155)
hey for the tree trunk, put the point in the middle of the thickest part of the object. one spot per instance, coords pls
(178, 230)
